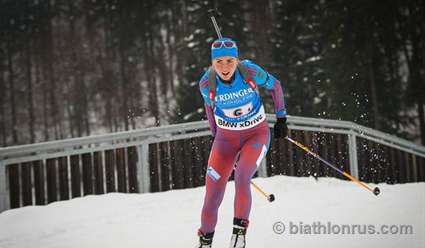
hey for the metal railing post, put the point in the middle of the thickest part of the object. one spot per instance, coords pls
(4, 188)
(352, 150)
(143, 171)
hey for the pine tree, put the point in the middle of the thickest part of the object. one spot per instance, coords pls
(297, 52)
(201, 34)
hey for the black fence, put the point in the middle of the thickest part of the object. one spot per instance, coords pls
(44, 181)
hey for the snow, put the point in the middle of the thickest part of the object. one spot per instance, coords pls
(170, 219)
(192, 44)
(313, 59)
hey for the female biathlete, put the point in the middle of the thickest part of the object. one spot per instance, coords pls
(238, 123)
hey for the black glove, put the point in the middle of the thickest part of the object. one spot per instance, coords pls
(280, 128)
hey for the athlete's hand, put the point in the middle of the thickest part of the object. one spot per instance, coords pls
(280, 128)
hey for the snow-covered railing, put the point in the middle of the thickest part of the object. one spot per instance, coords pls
(175, 156)
(353, 132)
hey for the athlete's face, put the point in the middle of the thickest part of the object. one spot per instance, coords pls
(225, 66)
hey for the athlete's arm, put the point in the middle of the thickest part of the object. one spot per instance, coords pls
(278, 100)
(211, 121)
(204, 89)
(268, 81)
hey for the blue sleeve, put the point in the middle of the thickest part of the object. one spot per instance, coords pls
(266, 80)
(261, 77)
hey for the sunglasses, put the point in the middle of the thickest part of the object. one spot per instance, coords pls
(221, 44)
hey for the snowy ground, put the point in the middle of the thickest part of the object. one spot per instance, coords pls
(170, 219)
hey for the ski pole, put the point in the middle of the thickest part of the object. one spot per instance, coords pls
(375, 191)
(211, 13)
(270, 197)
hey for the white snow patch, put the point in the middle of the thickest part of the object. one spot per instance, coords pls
(171, 219)
(313, 59)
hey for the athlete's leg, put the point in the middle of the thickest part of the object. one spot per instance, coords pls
(220, 166)
(252, 153)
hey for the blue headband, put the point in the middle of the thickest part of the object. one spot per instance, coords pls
(223, 50)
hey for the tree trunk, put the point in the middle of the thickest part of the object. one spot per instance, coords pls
(149, 69)
(261, 20)
(163, 72)
(2, 111)
(421, 121)
(415, 63)
(132, 93)
(123, 65)
(372, 82)
(44, 85)
(12, 94)
(103, 60)
(162, 55)
(46, 111)
(171, 49)
(69, 110)
(30, 92)
(75, 80)
(48, 61)
(418, 62)
(153, 95)
(180, 29)
(86, 107)
(124, 88)
(372, 88)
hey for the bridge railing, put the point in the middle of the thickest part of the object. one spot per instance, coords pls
(175, 157)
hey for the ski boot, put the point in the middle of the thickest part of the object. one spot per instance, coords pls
(205, 240)
(239, 232)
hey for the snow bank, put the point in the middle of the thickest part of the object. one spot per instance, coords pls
(170, 219)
